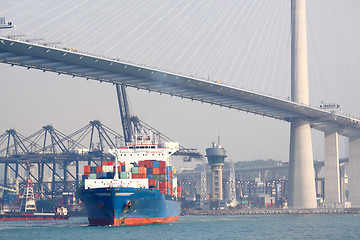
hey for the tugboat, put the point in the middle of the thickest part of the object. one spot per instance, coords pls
(27, 210)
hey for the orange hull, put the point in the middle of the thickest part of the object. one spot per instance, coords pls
(133, 221)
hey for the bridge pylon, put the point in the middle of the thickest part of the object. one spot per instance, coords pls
(302, 192)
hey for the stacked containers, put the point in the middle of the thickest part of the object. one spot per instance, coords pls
(86, 173)
(105, 171)
(169, 170)
(158, 174)
(99, 173)
(138, 172)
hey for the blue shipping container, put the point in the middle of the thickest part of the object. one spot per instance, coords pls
(85, 177)
(155, 164)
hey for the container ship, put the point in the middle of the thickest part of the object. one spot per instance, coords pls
(16, 208)
(138, 188)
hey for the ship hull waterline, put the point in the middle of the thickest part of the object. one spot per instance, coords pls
(129, 206)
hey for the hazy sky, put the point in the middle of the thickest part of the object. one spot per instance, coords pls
(243, 43)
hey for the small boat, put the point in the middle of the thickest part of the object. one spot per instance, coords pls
(27, 209)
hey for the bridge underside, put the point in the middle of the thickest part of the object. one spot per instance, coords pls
(84, 65)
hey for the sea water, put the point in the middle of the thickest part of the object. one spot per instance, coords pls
(321, 226)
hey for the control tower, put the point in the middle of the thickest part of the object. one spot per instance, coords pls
(216, 157)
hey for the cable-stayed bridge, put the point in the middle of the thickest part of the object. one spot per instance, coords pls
(297, 111)
(85, 65)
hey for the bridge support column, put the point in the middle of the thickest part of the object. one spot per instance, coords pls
(342, 183)
(332, 176)
(317, 182)
(354, 169)
(302, 192)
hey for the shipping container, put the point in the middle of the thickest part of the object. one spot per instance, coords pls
(149, 171)
(84, 177)
(162, 164)
(156, 171)
(142, 170)
(123, 175)
(107, 168)
(98, 169)
(162, 171)
(139, 175)
(155, 164)
(92, 176)
(152, 182)
(135, 170)
(159, 177)
(86, 169)
(148, 164)
(92, 169)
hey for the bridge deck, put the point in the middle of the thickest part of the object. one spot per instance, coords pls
(77, 64)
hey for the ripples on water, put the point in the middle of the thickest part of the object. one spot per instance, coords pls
(332, 226)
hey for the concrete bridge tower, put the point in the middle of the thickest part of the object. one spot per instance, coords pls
(302, 192)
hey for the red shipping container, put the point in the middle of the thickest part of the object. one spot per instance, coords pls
(152, 182)
(162, 164)
(86, 169)
(156, 171)
(134, 175)
(162, 171)
(148, 164)
(178, 188)
(163, 184)
(98, 168)
(110, 163)
(104, 163)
